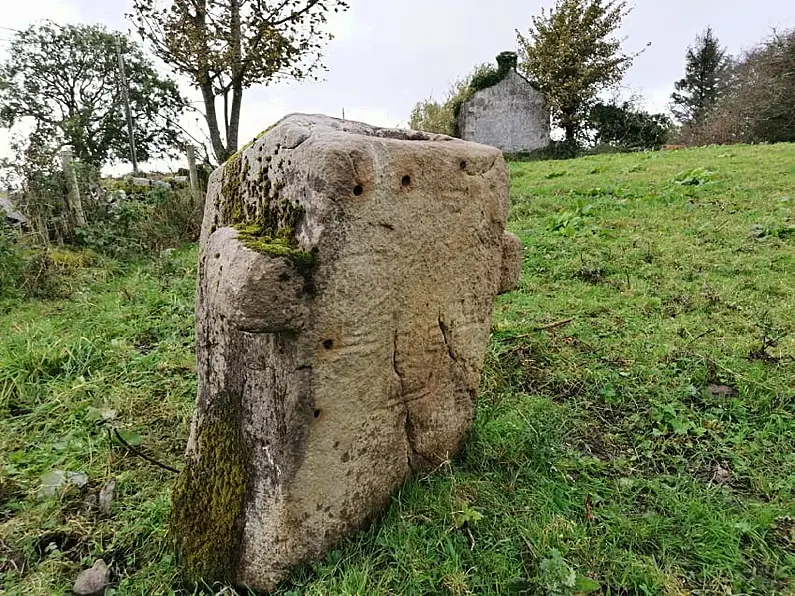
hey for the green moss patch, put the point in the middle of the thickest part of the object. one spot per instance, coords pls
(281, 243)
(208, 500)
(265, 219)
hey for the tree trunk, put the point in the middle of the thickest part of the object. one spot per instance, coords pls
(234, 120)
(571, 136)
(237, 77)
(206, 87)
(221, 152)
(190, 154)
(226, 116)
(77, 217)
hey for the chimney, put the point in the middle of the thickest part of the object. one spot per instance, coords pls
(507, 61)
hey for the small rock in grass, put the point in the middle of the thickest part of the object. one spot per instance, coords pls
(757, 231)
(92, 582)
(722, 390)
(50, 483)
(106, 496)
(721, 475)
(78, 479)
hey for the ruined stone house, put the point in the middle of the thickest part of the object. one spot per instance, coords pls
(9, 215)
(511, 115)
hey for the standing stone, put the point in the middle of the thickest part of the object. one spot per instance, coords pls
(346, 280)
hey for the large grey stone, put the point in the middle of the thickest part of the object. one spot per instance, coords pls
(346, 282)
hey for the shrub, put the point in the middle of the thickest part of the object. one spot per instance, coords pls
(31, 270)
(441, 118)
(42, 278)
(627, 128)
(174, 218)
(12, 263)
(152, 219)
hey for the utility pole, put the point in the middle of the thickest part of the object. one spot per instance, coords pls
(126, 96)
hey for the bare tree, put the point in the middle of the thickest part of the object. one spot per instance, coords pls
(760, 104)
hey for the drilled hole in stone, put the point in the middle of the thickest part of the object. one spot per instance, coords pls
(328, 344)
(463, 165)
(316, 414)
(406, 180)
(358, 190)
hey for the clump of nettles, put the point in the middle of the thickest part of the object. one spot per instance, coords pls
(269, 226)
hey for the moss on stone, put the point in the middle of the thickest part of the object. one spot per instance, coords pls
(208, 500)
(231, 200)
(266, 222)
(281, 243)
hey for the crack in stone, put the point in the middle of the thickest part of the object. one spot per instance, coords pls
(352, 157)
(395, 364)
(402, 398)
(445, 336)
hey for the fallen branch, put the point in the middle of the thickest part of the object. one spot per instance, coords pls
(143, 455)
(546, 327)
(560, 323)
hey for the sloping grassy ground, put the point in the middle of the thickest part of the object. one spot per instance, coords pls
(635, 431)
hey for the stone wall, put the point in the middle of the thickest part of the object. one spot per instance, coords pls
(512, 116)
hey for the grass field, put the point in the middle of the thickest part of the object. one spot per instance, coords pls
(635, 431)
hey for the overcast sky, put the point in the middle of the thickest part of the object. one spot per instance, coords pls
(388, 54)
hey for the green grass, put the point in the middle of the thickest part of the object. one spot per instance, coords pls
(634, 429)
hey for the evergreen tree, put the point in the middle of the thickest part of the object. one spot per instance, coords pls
(706, 80)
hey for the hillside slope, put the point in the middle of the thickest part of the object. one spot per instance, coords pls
(635, 430)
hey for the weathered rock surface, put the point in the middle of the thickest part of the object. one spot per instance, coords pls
(346, 282)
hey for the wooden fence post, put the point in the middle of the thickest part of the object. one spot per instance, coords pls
(74, 203)
(193, 173)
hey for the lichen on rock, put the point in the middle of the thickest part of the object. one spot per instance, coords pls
(265, 219)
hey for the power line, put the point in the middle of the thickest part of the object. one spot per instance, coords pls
(11, 29)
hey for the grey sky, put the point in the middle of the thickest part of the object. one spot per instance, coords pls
(390, 53)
